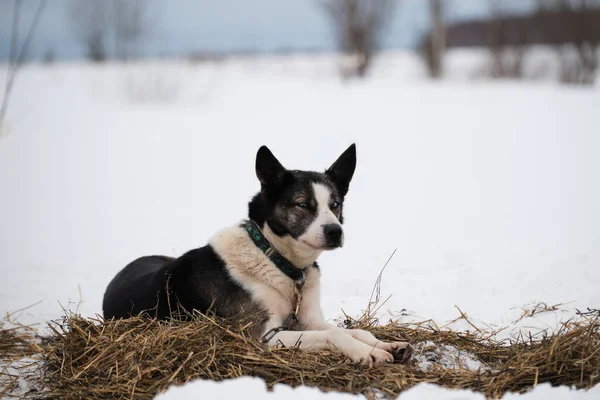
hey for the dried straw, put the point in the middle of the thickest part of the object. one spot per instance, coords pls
(138, 358)
(16, 342)
(19, 345)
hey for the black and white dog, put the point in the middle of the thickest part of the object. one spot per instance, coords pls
(267, 262)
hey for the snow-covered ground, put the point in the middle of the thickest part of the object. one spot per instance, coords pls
(489, 191)
(254, 388)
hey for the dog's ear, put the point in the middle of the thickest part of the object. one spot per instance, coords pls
(268, 169)
(342, 170)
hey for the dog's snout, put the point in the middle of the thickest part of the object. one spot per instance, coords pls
(333, 235)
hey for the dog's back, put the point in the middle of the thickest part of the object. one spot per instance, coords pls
(128, 293)
(160, 287)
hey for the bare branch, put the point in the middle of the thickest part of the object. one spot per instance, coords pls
(433, 44)
(14, 36)
(575, 34)
(18, 61)
(90, 20)
(130, 22)
(507, 44)
(358, 26)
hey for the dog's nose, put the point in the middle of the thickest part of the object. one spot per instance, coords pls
(333, 235)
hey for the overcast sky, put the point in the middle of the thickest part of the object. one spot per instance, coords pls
(183, 26)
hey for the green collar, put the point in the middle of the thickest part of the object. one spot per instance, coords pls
(296, 274)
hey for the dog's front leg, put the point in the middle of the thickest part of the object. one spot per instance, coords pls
(356, 350)
(367, 338)
(311, 316)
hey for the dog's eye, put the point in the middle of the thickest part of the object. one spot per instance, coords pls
(335, 205)
(302, 204)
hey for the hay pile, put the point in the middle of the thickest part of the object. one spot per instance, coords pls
(138, 358)
(19, 347)
(17, 342)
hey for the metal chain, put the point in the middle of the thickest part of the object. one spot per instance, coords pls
(291, 322)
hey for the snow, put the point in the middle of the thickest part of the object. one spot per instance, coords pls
(255, 388)
(427, 391)
(246, 387)
(19, 376)
(428, 354)
(488, 190)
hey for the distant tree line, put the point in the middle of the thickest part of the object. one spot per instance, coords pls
(570, 27)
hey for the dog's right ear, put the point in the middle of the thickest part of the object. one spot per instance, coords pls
(342, 170)
(268, 169)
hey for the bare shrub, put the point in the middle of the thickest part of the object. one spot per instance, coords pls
(358, 26)
(433, 45)
(157, 82)
(130, 22)
(49, 57)
(90, 22)
(575, 34)
(508, 45)
(97, 21)
(17, 55)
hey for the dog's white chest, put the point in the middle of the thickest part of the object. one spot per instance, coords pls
(266, 284)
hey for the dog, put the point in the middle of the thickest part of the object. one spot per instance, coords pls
(266, 263)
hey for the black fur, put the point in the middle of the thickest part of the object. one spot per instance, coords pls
(342, 170)
(156, 285)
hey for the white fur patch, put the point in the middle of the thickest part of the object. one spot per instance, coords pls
(314, 235)
(256, 273)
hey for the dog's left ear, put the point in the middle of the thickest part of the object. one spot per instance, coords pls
(342, 170)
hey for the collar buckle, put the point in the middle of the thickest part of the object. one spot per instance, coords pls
(300, 283)
(269, 252)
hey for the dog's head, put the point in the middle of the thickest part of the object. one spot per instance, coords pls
(305, 206)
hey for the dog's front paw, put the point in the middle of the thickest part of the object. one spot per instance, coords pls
(401, 351)
(370, 355)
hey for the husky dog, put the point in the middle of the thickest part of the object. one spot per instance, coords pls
(267, 263)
